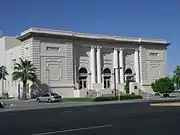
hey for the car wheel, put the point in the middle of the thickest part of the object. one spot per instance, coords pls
(38, 100)
(49, 100)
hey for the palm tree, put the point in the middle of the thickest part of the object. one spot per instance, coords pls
(24, 70)
(3, 72)
(176, 77)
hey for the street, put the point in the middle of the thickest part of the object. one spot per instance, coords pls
(115, 119)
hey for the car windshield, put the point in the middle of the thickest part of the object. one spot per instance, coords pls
(54, 94)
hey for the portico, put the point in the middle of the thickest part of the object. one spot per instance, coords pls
(102, 75)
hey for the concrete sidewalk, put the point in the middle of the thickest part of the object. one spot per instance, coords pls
(16, 105)
(19, 105)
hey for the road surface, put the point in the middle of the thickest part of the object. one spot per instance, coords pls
(114, 119)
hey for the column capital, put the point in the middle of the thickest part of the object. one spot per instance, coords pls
(136, 50)
(93, 47)
(122, 49)
(98, 47)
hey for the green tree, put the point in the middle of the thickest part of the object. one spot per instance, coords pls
(3, 72)
(176, 77)
(163, 85)
(126, 87)
(24, 70)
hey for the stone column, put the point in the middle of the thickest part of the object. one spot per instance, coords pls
(92, 66)
(121, 65)
(116, 65)
(98, 55)
(136, 65)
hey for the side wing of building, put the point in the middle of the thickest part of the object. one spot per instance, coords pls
(154, 64)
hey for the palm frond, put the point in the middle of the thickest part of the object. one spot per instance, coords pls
(18, 66)
(3, 72)
(32, 77)
(17, 75)
(24, 70)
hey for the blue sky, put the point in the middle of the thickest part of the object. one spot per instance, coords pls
(134, 18)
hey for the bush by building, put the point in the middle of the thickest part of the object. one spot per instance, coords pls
(1, 106)
(163, 85)
(114, 98)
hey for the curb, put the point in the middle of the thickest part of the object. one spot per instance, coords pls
(166, 104)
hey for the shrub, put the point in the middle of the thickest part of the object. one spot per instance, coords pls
(127, 97)
(77, 99)
(113, 98)
(126, 87)
(1, 106)
(110, 98)
(163, 85)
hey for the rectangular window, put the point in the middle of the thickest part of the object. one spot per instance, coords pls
(153, 54)
(104, 83)
(84, 83)
(108, 83)
(80, 84)
(52, 49)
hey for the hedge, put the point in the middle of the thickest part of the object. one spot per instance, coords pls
(113, 98)
(1, 106)
(77, 99)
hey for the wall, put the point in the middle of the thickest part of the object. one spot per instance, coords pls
(53, 59)
(12, 56)
(153, 63)
(156, 65)
(26, 49)
(2, 50)
(9, 51)
(2, 57)
(129, 59)
(81, 57)
(56, 54)
(11, 42)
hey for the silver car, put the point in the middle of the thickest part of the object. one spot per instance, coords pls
(49, 97)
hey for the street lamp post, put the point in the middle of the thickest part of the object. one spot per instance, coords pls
(48, 71)
(115, 81)
(115, 89)
(2, 86)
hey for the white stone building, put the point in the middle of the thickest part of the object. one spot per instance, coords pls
(76, 63)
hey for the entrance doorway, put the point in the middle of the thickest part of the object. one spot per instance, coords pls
(83, 78)
(107, 78)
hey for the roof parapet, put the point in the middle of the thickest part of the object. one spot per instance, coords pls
(90, 36)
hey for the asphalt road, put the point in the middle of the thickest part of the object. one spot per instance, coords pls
(117, 119)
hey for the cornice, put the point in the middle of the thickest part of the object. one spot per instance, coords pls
(43, 31)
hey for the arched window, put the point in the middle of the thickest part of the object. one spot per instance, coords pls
(83, 78)
(107, 71)
(128, 71)
(107, 77)
(82, 70)
(129, 74)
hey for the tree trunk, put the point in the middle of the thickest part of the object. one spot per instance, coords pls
(24, 91)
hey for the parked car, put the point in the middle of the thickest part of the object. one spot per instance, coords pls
(49, 97)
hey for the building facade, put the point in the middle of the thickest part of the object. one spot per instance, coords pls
(79, 65)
